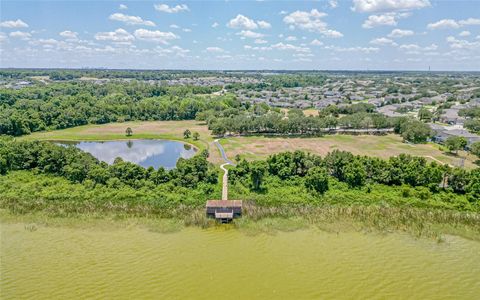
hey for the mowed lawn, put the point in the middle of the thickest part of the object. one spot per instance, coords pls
(171, 130)
(256, 147)
(253, 147)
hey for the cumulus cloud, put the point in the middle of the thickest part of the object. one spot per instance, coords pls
(215, 25)
(155, 36)
(120, 36)
(383, 42)
(130, 20)
(371, 6)
(365, 50)
(242, 22)
(316, 42)
(290, 38)
(462, 44)
(282, 46)
(260, 41)
(443, 24)
(398, 33)
(264, 24)
(310, 21)
(380, 20)
(122, 6)
(250, 34)
(68, 34)
(469, 21)
(215, 50)
(14, 24)
(333, 3)
(171, 9)
(464, 33)
(20, 35)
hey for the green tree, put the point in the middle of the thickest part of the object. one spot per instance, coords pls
(129, 131)
(257, 172)
(196, 136)
(415, 131)
(455, 143)
(187, 133)
(317, 180)
(475, 149)
(424, 114)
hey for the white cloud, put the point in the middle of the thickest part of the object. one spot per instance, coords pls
(171, 9)
(442, 24)
(310, 21)
(120, 35)
(282, 46)
(415, 49)
(215, 49)
(462, 44)
(365, 50)
(380, 20)
(332, 33)
(260, 41)
(20, 35)
(290, 38)
(155, 36)
(333, 3)
(316, 42)
(186, 30)
(383, 41)
(464, 33)
(469, 21)
(174, 26)
(122, 6)
(3, 37)
(130, 20)
(68, 34)
(250, 34)
(264, 24)
(283, 12)
(242, 22)
(14, 24)
(370, 6)
(215, 25)
(398, 33)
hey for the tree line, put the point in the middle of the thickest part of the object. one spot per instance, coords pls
(63, 105)
(78, 166)
(357, 172)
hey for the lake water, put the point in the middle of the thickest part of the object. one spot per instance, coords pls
(146, 153)
(135, 263)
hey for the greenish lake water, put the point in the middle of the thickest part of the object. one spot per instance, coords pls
(217, 263)
(146, 153)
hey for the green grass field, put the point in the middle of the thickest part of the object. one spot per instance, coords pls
(255, 147)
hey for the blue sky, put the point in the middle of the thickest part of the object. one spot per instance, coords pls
(335, 35)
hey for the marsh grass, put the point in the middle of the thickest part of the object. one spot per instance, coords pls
(256, 219)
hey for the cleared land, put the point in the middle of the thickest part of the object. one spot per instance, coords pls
(255, 147)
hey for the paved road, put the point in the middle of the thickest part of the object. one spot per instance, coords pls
(225, 171)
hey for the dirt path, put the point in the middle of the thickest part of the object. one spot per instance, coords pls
(225, 171)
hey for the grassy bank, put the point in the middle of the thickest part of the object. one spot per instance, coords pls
(42, 199)
(269, 220)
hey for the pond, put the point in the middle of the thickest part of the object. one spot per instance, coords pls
(90, 262)
(146, 153)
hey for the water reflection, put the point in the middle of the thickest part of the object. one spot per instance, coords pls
(146, 153)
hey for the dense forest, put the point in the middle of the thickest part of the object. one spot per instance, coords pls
(63, 105)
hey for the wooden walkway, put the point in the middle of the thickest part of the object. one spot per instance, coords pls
(225, 171)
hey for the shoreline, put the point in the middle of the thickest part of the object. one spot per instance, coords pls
(419, 223)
